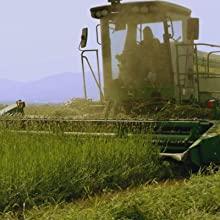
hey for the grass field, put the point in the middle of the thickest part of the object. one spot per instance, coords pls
(42, 174)
(42, 169)
(194, 199)
(77, 108)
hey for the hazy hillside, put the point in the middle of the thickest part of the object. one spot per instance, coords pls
(54, 89)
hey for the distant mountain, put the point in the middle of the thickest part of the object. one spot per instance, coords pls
(53, 89)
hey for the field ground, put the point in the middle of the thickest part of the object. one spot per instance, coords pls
(55, 177)
(197, 198)
(41, 169)
(97, 111)
(77, 108)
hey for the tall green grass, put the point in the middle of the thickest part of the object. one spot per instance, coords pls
(40, 169)
(196, 199)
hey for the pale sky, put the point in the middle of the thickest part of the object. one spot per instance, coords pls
(39, 38)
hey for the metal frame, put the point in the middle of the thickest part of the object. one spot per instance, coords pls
(97, 81)
(178, 56)
(208, 59)
(195, 57)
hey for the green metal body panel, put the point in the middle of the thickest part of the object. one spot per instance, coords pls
(203, 145)
(206, 149)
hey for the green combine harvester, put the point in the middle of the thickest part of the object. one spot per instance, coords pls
(149, 57)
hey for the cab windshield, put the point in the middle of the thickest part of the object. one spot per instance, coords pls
(139, 53)
(128, 39)
(134, 48)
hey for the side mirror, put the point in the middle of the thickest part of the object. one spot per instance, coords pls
(84, 37)
(193, 29)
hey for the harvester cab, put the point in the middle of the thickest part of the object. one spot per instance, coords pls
(148, 52)
(138, 42)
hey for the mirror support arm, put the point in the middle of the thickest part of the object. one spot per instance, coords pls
(97, 81)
